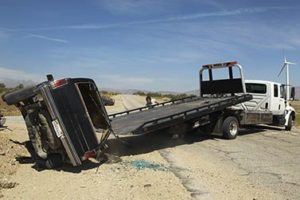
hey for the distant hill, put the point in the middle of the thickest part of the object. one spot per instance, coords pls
(13, 83)
(193, 92)
(131, 91)
(122, 91)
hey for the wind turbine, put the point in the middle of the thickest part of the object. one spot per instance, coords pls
(286, 65)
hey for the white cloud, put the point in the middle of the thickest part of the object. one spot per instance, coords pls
(12, 77)
(127, 7)
(261, 35)
(47, 38)
(220, 13)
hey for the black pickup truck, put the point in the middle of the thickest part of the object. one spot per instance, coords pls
(67, 121)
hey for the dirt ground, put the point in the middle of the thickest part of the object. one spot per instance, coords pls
(262, 163)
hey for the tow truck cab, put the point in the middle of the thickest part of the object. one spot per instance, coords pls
(270, 96)
(267, 95)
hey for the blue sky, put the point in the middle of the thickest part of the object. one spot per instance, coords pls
(143, 44)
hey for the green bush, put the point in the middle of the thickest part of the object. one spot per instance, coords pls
(4, 89)
(140, 93)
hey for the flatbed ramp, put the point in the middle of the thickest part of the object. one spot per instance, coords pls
(163, 115)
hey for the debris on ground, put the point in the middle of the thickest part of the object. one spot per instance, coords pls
(9, 150)
(7, 185)
(142, 164)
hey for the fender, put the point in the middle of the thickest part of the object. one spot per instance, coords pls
(289, 112)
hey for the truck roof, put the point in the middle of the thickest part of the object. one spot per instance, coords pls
(261, 81)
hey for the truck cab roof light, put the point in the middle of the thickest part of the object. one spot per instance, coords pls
(58, 83)
(216, 65)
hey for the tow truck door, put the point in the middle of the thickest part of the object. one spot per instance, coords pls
(277, 102)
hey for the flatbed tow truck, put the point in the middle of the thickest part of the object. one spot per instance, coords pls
(217, 96)
(67, 121)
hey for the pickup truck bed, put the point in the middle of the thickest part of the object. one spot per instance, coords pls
(163, 115)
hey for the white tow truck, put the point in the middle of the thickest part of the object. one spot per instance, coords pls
(269, 104)
(269, 98)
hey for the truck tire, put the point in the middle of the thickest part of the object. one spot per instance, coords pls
(19, 95)
(230, 127)
(289, 126)
(34, 134)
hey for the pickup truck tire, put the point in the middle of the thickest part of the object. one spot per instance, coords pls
(34, 135)
(20, 95)
(230, 127)
(288, 127)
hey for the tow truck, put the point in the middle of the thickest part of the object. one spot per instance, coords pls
(67, 121)
(223, 106)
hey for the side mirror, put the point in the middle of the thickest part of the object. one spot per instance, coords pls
(293, 93)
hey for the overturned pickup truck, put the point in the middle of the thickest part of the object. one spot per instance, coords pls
(66, 120)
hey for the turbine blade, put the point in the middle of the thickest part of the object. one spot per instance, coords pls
(282, 69)
(290, 63)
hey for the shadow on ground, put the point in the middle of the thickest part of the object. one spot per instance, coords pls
(254, 130)
(146, 143)
(135, 145)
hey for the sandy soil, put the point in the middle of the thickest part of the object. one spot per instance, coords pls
(260, 164)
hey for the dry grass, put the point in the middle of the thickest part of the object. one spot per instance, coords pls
(298, 119)
(7, 110)
(296, 105)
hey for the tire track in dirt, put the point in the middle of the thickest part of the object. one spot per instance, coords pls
(132, 101)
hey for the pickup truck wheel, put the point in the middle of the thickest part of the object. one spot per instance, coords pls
(289, 126)
(230, 127)
(19, 95)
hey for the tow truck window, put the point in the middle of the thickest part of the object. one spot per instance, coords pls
(275, 90)
(282, 91)
(220, 74)
(205, 76)
(256, 88)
